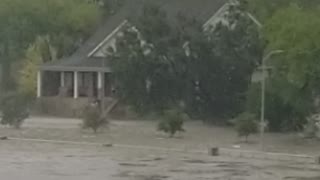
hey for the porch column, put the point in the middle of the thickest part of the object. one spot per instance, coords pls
(39, 84)
(62, 79)
(75, 85)
(100, 85)
(99, 80)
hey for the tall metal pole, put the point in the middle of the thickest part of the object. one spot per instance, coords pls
(263, 97)
(263, 94)
(103, 105)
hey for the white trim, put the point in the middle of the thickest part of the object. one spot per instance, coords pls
(225, 8)
(100, 74)
(39, 84)
(114, 32)
(62, 79)
(255, 20)
(217, 14)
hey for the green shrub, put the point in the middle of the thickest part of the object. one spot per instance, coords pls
(246, 125)
(282, 115)
(15, 109)
(93, 118)
(172, 122)
(312, 127)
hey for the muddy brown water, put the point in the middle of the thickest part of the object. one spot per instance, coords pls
(43, 161)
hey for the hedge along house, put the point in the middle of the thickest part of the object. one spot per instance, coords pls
(65, 87)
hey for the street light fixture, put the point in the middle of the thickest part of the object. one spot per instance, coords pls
(263, 94)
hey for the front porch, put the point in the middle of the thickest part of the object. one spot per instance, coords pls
(67, 93)
(74, 84)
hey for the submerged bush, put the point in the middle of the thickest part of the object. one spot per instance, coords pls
(93, 117)
(312, 128)
(172, 122)
(15, 108)
(282, 115)
(246, 125)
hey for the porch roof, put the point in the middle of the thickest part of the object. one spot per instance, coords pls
(81, 60)
(86, 64)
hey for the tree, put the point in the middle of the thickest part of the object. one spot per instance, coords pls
(93, 118)
(264, 9)
(280, 114)
(172, 122)
(145, 63)
(158, 64)
(65, 22)
(14, 107)
(38, 53)
(226, 62)
(295, 76)
(246, 125)
(312, 127)
(111, 6)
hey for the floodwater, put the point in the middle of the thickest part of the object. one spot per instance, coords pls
(31, 161)
(24, 160)
(45, 161)
(197, 136)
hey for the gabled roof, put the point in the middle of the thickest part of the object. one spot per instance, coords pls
(203, 10)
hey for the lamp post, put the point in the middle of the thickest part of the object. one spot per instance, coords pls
(263, 94)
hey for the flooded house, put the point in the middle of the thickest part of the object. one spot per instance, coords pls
(64, 87)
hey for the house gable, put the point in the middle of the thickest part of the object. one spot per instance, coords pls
(101, 50)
